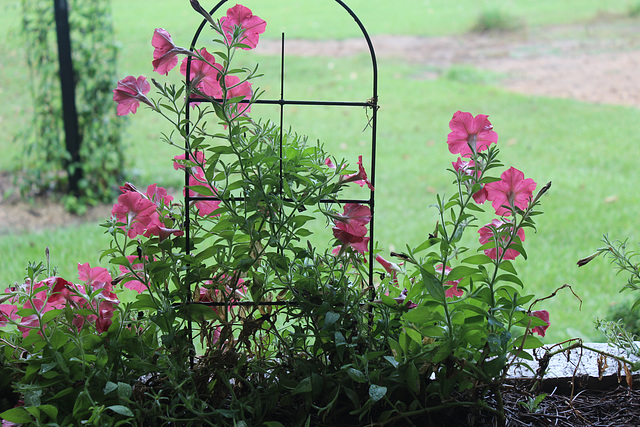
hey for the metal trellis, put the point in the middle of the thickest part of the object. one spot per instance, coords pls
(370, 102)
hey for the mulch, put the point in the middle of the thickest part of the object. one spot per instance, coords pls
(614, 407)
(617, 406)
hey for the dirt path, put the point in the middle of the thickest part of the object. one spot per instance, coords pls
(598, 61)
(595, 62)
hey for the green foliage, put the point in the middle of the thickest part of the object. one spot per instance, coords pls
(69, 374)
(45, 157)
(532, 404)
(624, 318)
(621, 312)
(634, 9)
(495, 19)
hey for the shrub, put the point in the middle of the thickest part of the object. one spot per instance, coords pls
(45, 158)
(495, 19)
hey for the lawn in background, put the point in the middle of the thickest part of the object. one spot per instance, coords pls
(586, 150)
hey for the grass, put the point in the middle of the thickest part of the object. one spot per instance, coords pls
(588, 151)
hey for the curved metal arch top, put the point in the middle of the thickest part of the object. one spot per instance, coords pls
(365, 34)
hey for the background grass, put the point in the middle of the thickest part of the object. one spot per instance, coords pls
(587, 150)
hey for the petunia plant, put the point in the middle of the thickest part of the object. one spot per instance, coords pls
(469, 320)
(224, 309)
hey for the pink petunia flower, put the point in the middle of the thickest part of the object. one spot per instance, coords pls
(60, 292)
(157, 228)
(470, 134)
(401, 300)
(350, 227)
(205, 207)
(544, 315)
(95, 277)
(329, 163)
(7, 314)
(158, 195)
(165, 54)
(235, 89)
(98, 278)
(359, 177)
(204, 74)
(106, 309)
(511, 191)
(487, 234)
(197, 177)
(129, 93)
(390, 267)
(53, 294)
(452, 285)
(252, 25)
(136, 211)
(352, 236)
(128, 272)
(354, 213)
(198, 159)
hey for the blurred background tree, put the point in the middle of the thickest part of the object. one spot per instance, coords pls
(91, 174)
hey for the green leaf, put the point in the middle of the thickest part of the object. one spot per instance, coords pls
(120, 261)
(124, 390)
(432, 331)
(395, 347)
(519, 248)
(51, 314)
(474, 308)
(418, 315)
(46, 367)
(433, 286)
(26, 312)
(530, 342)
(414, 335)
(356, 375)
(413, 378)
(109, 387)
(62, 393)
(198, 312)
(144, 301)
(17, 415)
(121, 409)
(60, 361)
(50, 410)
(460, 272)
(493, 340)
(303, 386)
(330, 318)
(508, 266)
(478, 259)
(245, 264)
(377, 392)
(510, 278)
(392, 361)
(474, 207)
(427, 244)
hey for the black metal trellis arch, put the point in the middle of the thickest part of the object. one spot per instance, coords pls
(370, 102)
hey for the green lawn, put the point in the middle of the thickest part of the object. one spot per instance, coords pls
(588, 151)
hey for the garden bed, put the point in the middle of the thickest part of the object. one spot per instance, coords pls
(580, 387)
